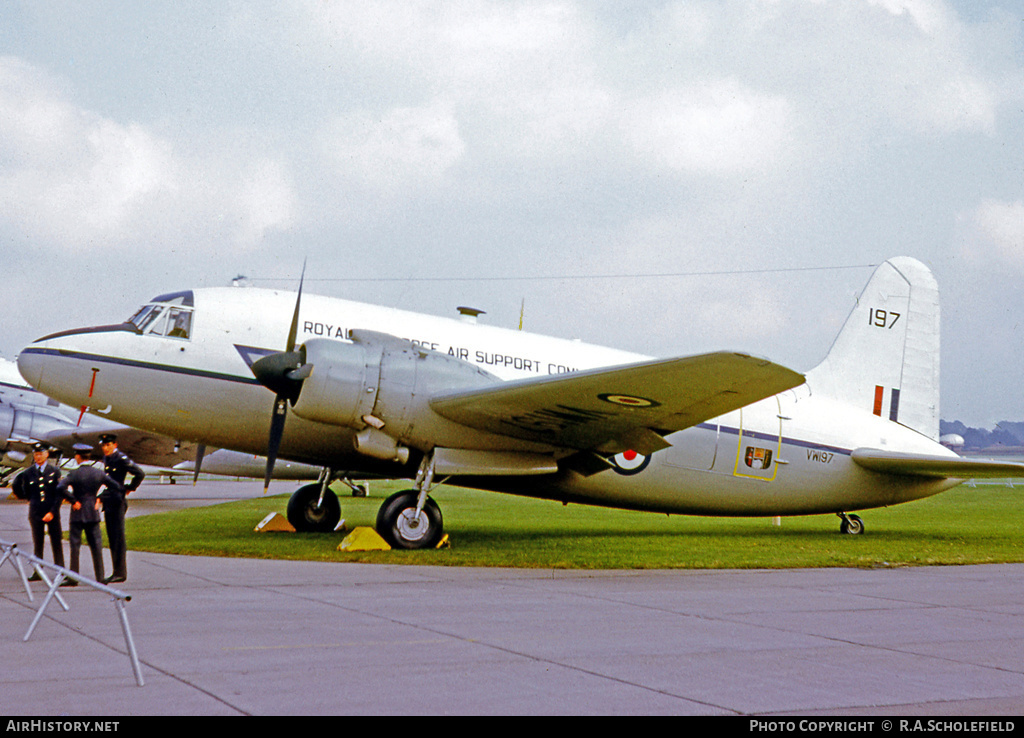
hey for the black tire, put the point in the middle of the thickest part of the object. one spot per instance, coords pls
(852, 525)
(397, 526)
(306, 517)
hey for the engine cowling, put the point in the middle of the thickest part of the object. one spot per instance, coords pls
(380, 385)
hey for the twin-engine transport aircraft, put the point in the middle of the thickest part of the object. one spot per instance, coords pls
(376, 391)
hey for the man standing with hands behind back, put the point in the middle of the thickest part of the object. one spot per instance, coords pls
(85, 483)
(118, 467)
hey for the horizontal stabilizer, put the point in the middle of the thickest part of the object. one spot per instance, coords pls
(941, 467)
(611, 410)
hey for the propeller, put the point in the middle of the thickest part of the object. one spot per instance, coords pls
(200, 453)
(282, 373)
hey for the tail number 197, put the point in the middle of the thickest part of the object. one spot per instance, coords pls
(882, 318)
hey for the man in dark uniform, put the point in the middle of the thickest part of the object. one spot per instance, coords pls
(85, 483)
(118, 467)
(38, 485)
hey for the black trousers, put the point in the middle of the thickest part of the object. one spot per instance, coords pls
(39, 530)
(113, 517)
(95, 541)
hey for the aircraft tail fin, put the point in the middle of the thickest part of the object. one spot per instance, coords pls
(886, 357)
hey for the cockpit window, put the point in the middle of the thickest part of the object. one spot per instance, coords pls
(179, 322)
(145, 317)
(167, 315)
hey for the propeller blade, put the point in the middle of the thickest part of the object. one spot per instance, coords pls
(293, 332)
(303, 372)
(200, 453)
(274, 443)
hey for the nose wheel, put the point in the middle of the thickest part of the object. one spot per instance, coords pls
(851, 524)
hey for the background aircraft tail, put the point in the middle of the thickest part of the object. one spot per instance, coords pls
(886, 357)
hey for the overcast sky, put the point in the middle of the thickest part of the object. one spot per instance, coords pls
(555, 156)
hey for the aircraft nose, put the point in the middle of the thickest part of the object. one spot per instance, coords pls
(30, 364)
(64, 365)
(47, 365)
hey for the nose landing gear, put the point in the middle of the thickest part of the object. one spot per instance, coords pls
(851, 524)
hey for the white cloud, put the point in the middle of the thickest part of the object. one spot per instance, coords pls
(263, 201)
(998, 233)
(928, 78)
(81, 180)
(405, 148)
(522, 74)
(960, 103)
(930, 16)
(722, 127)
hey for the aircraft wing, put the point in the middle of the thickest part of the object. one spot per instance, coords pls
(923, 465)
(611, 410)
(141, 446)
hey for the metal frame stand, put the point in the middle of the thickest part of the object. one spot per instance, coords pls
(11, 552)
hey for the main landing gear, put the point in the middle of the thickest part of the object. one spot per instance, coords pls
(315, 508)
(410, 519)
(407, 519)
(403, 524)
(851, 525)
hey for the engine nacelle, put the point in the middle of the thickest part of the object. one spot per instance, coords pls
(381, 385)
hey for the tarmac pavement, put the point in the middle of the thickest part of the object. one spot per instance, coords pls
(259, 637)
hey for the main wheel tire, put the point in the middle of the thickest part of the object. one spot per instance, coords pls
(306, 517)
(397, 523)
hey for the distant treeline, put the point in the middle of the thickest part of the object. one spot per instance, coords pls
(1006, 433)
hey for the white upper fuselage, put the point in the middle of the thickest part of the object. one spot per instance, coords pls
(201, 388)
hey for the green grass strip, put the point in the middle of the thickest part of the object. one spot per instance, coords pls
(963, 526)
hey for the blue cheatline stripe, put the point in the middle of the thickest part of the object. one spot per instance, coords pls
(168, 368)
(775, 439)
(894, 406)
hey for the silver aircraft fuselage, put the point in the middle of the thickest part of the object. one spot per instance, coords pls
(787, 455)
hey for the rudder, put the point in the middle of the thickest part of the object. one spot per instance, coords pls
(886, 357)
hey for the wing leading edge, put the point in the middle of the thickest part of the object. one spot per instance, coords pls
(939, 467)
(629, 407)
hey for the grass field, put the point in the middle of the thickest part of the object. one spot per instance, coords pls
(963, 526)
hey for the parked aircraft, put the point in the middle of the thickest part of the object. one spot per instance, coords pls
(376, 390)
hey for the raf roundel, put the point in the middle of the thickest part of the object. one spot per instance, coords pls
(628, 400)
(630, 462)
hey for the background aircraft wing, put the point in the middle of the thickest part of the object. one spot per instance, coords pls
(142, 447)
(922, 465)
(622, 408)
